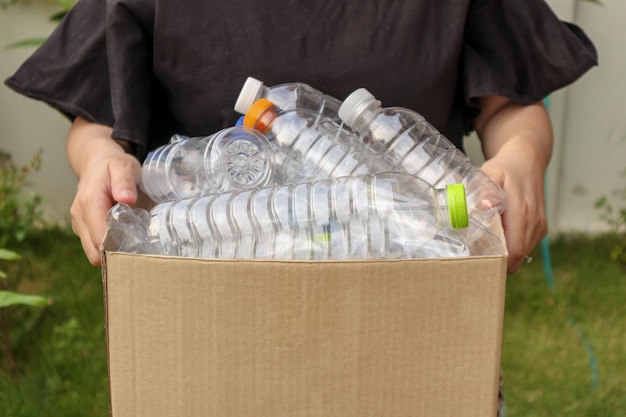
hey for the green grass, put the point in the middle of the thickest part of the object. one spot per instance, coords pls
(563, 347)
(60, 351)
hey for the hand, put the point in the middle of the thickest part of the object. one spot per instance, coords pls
(524, 217)
(517, 143)
(107, 174)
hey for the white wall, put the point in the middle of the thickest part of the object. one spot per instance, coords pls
(594, 151)
(589, 118)
(27, 125)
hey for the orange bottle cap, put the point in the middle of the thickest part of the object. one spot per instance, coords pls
(256, 117)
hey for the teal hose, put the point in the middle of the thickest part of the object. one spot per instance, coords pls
(549, 276)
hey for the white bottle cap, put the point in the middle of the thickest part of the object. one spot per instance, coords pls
(247, 95)
(354, 105)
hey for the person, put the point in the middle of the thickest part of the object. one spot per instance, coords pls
(131, 73)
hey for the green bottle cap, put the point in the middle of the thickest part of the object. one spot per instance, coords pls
(457, 206)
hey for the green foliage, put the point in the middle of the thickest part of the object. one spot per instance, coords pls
(20, 216)
(12, 299)
(60, 351)
(20, 207)
(65, 6)
(24, 43)
(8, 255)
(8, 298)
(614, 214)
(5, 4)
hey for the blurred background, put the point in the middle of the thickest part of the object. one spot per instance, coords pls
(563, 343)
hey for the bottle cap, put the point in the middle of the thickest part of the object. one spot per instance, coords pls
(255, 116)
(457, 206)
(247, 95)
(178, 138)
(354, 105)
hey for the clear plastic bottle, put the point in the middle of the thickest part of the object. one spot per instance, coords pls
(416, 147)
(288, 96)
(308, 146)
(127, 228)
(477, 238)
(233, 158)
(386, 215)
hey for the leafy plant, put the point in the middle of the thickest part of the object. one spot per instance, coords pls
(20, 216)
(9, 299)
(20, 208)
(615, 217)
(65, 6)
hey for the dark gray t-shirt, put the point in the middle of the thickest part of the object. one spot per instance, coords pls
(152, 68)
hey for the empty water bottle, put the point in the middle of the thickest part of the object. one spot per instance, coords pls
(127, 228)
(233, 158)
(416, 147)
(288, 96)
(386, 215)
(308, 146)
(477, 238)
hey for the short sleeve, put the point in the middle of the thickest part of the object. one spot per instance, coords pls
(520, 50)
(70, 71)
(134, 93)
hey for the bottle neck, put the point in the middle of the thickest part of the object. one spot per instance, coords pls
(262, 92)
(365, 116)
(262, 121)
(443, 207)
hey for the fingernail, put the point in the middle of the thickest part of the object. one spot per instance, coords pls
(127, 193)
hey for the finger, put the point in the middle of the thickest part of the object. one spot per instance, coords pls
(91, 204)
(515, 235)
(124, 175)
(90, 235)
(523, 219)
(92, 252)
(97, 223)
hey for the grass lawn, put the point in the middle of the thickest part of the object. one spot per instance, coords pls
(564, 333)
(60, 351)
(563, 345)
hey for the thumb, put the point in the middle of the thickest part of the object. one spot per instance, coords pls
(491, 190)
(124, 174)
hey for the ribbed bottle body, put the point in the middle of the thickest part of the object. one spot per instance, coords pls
(387, 215)
(308, 146)
(414, 146)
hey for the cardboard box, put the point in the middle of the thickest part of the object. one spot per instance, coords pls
(254, 338)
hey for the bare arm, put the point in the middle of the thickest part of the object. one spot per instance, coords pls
(517, 143)
(106, 173)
